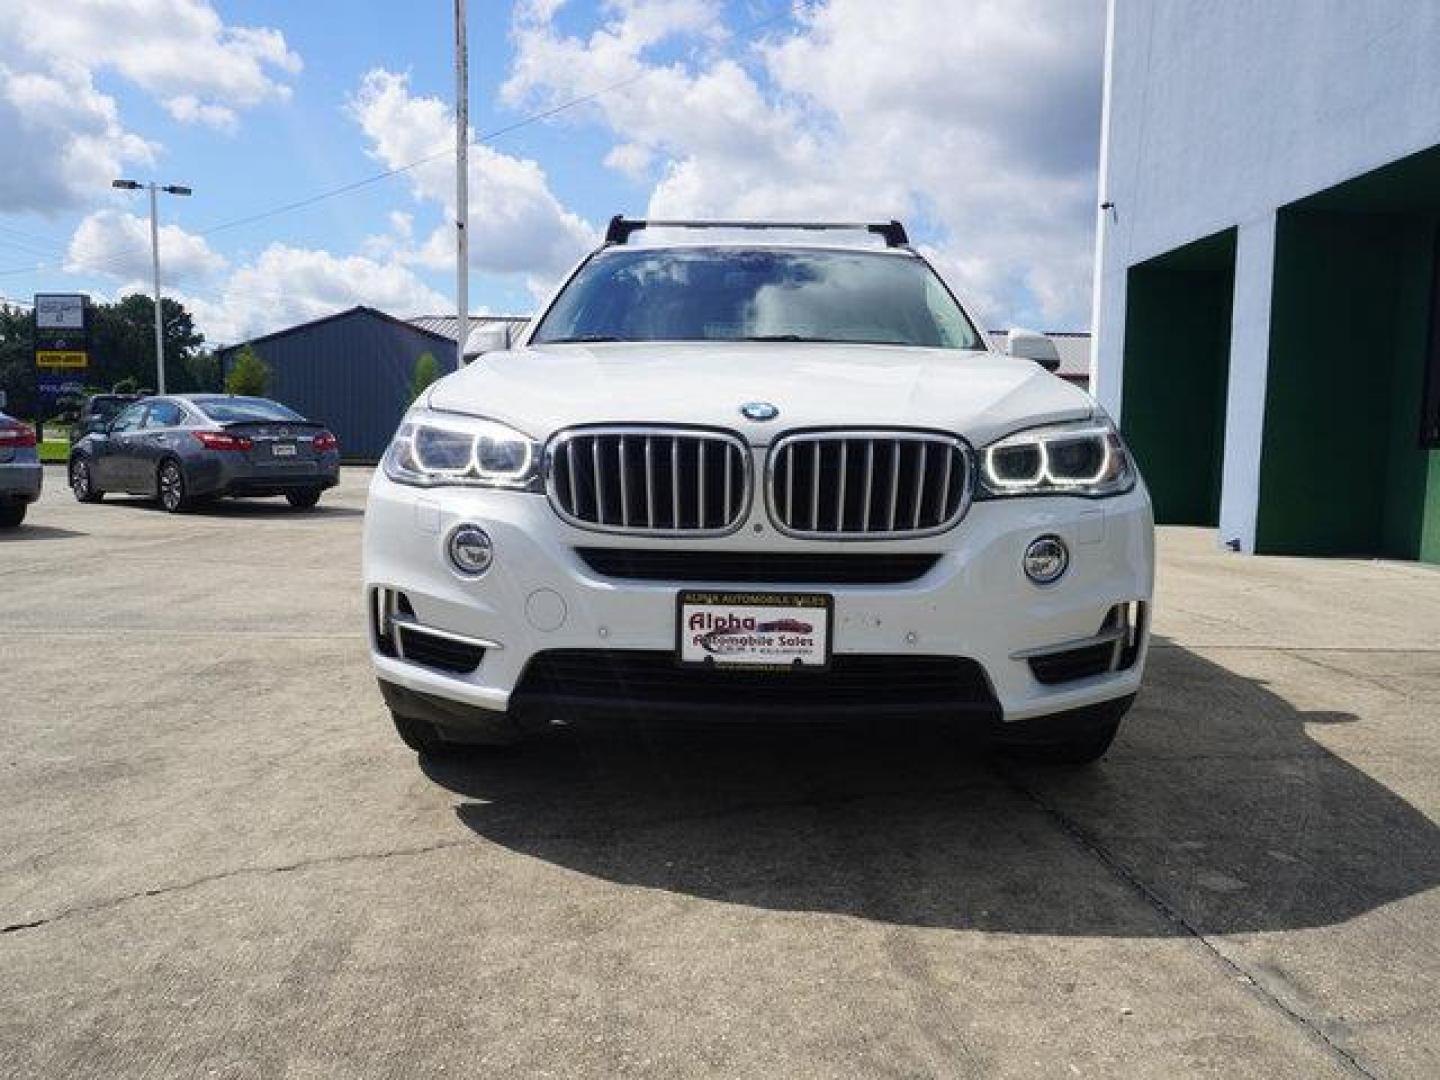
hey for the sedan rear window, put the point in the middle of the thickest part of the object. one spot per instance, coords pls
(105, 408)
(232, 410)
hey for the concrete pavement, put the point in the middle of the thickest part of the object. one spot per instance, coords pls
(217, 860)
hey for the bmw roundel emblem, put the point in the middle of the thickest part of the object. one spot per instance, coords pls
(759, 410)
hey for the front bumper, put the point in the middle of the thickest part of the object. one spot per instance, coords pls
(975, 603)
(20, 482)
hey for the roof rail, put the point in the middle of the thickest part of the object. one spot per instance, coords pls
(621, 228)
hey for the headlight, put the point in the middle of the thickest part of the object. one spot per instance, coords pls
(1086, 458)
(434, 449)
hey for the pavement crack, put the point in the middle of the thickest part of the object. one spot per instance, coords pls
(240, 871)
(1333, 669)
(1092, 845)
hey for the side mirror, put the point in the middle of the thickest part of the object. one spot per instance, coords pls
(489, 339)
(1028, 345)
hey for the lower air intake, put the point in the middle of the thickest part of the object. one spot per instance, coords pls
(854, 686)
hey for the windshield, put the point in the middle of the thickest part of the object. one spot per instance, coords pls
(230, 410)
(728, 294)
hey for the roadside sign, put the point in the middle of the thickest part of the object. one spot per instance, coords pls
(60, 311)
(62, 358)
(55, 383)
(62, 348)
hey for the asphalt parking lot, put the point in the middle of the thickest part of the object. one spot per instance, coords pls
(217, 860)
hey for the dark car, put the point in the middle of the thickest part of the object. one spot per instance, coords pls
(181, 449)
(20, 471)
(96, 412)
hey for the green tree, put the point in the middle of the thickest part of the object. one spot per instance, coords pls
(17, 360)
(122, 342)
(203, 374)
(427, 370)
(248, 374)
(122, 350)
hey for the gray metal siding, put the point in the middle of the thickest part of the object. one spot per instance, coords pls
(352, 373)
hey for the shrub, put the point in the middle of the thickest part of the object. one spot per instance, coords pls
(248, 375)
(427, 370)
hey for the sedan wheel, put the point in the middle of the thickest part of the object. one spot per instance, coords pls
(172, 487)
(82, 484)
(303, 500)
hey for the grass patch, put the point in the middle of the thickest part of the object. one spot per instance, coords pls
(55, 451)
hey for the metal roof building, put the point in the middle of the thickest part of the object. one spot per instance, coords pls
(351, 370)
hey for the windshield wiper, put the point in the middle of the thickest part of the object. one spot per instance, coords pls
(580, 339)
(817, 340)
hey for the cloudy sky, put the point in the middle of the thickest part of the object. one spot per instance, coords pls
(975, 121)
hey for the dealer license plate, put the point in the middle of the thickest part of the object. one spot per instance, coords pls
(281, 449)
(754, 630)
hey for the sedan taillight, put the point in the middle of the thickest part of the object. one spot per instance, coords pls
(219, 440)
(16, 435)
(325, 442)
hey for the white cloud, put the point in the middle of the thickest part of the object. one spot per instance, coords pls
(632, 159)
(179, 51)
(286, 285)
(517, 225)
(189, 109)
(62, 139)
(978, 119)
(118, 245)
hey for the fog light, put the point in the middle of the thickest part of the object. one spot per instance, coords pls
(470, 550)
(1046, 559)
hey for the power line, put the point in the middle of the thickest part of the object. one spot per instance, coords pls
(355, 185)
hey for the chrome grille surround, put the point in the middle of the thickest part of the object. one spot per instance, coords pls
(649, 480)
(868, 484)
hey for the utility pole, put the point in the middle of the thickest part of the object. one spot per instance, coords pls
(462, 185)
(155, 189)
(155, 266)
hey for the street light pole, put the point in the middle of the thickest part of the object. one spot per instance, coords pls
(155, 265)
(462, 186)
(155, 189)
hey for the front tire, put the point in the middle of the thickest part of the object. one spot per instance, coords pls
(1083, 736)
(418, 735)
(12, 516)
(170, 486)
(303, 500)
(421, 718)
(82, 482)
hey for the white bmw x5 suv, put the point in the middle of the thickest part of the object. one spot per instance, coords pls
(758, 481)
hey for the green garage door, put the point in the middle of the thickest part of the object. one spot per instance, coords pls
(1177, 364)
(1353, 339)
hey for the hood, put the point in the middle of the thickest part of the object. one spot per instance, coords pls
(979, 395)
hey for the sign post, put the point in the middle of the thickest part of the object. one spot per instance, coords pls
(62, 350)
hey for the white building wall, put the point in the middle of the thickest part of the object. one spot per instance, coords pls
(1219, 113)
(1245, 395)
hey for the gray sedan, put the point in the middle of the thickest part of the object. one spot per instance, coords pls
(182, 449)
(20, 471)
